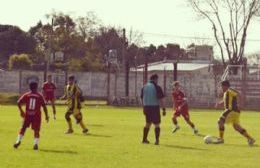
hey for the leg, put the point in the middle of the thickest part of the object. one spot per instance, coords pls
(175, 122)
(243, 132)
(157, 131)
(36, 139)
(190, 123)
(157, 120)
(79, 119)
(68, 119)
(221, 125)
(25, 125)
(146, 131)
(53, 108)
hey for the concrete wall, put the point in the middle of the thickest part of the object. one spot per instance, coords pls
(199, 85)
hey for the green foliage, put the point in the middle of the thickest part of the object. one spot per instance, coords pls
(75, 65)
(115, 141)
(14, 40)
(8, 98)
(21, 61)
(92, 62)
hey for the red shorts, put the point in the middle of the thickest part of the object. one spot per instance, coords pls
(49, 98)
(32, 120)
(183, 111)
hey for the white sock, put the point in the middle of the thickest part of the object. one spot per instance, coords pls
(19, 138)
(177, 126)
(36, 141)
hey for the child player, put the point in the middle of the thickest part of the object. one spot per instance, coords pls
(48, 91)
(181, 108)
(33, 101)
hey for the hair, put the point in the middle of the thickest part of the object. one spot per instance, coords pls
(71, 77)
(33, 86)
(175, 83)
(225, 83)
(49, 76)
(154, 77)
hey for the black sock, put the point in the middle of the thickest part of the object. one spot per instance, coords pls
(145, 133)
(157, 133)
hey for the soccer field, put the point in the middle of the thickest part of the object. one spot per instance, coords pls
(115, 137)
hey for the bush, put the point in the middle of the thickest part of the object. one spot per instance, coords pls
(21, 61)
(8, 98)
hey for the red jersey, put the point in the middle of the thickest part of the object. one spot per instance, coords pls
(179, 98)
(48, 89)
(33, 102)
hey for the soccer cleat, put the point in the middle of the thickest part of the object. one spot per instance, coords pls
(17, 144)
(219, 141)
(69, 131)
(251, 142)
(175, 129)
(145, 141)
(196, 131)
(35, 147)
(156, 143)
(85, 131)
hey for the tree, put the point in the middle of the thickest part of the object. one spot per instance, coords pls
(14, 40)
(108, 38)
(230, 20)
(88, 26)
(21, 61)
(135, 37)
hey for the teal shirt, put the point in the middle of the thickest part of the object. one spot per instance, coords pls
(151, 94)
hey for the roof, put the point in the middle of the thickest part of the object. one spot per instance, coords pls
(169, 67)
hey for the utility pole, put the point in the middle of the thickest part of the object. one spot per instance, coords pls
(175, 71)
(108, 82)
(145, 69)
(125, 65)
(48, 55)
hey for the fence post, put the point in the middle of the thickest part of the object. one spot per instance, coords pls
(244, 85)
(20, 81)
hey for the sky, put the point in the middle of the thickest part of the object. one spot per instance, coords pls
(161, 21)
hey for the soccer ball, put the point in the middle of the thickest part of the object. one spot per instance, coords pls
(208, 139)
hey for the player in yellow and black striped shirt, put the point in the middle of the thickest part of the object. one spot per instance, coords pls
(73, 94)
(231, 114)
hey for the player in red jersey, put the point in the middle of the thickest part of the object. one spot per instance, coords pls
(48, 91)
(181, 108)
(33, 101)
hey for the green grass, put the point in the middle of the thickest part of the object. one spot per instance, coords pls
(114, 141)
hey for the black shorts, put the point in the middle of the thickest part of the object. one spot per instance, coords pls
(152, 114)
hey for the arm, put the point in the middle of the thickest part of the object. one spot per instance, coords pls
(43, 90)
(183, 103)
(46, 113)
(239, 101)
(20, 102)
(64, 96)
(22, 114)
(162, 104)
(220, 103)
(141, 96)
(161, 97)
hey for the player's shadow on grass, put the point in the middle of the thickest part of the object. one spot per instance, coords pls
(58, 151)
(200, 135)
(243, 145)
(94, 135)
(95, 125)
(98, 135)
(183, 147)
